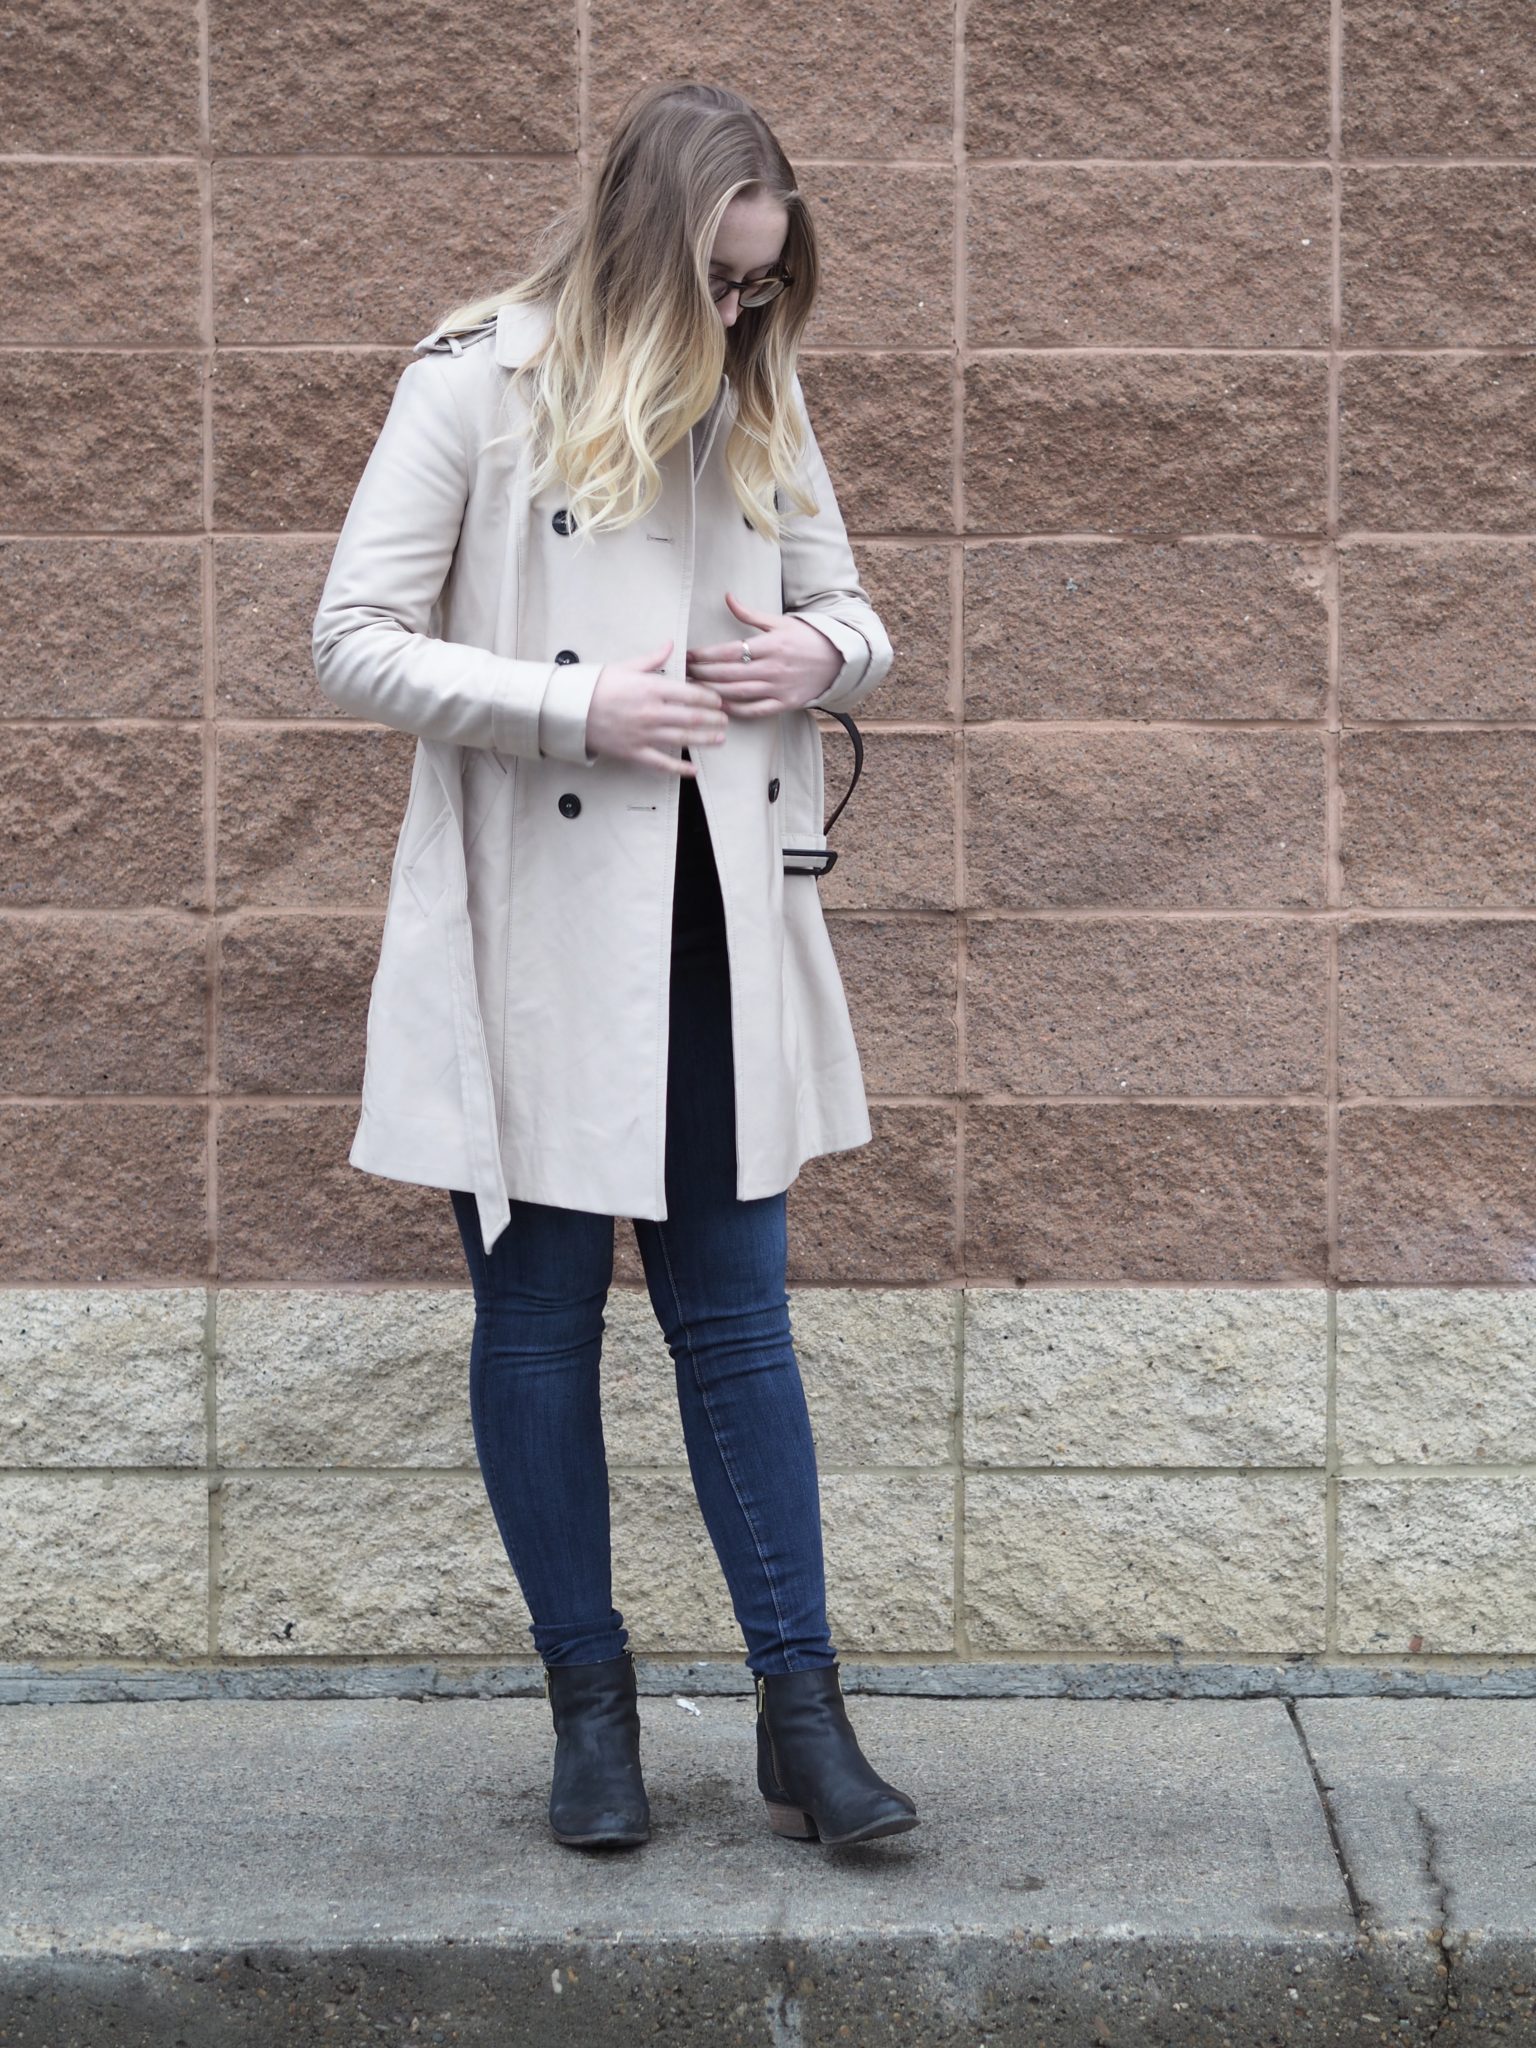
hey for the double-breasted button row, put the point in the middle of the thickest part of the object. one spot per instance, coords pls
(570, 802)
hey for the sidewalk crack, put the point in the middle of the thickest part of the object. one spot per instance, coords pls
(1429, 1838)
(1357, 1905)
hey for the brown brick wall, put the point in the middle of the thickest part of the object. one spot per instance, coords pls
(1177, 370)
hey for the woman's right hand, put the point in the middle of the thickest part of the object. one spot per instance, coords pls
(633, 712)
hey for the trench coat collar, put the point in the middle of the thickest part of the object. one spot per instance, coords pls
(520, 327)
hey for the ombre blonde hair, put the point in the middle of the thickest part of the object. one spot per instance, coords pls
(636, 345)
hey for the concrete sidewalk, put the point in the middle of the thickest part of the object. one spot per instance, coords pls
(1106, 1872)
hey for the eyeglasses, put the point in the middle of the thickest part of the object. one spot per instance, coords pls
(755, 291)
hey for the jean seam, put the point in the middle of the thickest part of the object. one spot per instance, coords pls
(720, 1442)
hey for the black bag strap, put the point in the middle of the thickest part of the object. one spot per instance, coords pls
(857, 737)
(827, 855)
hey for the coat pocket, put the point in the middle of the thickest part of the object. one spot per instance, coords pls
(426, 874)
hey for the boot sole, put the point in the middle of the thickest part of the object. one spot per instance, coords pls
(796, 1826)
(601, 1841)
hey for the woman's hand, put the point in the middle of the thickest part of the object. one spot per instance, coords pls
(633, 713)
(791, 664)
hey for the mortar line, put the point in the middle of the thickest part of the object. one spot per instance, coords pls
(213, 955)
(865, 914)
(517, 157)
(1267, 1474)
(897, 539)
(1333, 893)
(994, 1099)
(960, 1633)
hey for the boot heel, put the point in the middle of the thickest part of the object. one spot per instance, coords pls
(789, 1820)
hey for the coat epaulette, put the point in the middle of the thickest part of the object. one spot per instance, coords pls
(440, 343)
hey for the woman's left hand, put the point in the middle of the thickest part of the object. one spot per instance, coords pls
(791, 663)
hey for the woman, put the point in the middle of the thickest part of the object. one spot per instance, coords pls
(621, 1000)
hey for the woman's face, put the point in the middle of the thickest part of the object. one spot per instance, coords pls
(750, 240)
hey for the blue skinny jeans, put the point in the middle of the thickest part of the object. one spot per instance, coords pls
(714, 1269)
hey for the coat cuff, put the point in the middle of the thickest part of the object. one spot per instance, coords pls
(848, 641)
(563, 711)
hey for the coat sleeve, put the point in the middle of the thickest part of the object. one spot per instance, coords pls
(821, 583)
(375, 655)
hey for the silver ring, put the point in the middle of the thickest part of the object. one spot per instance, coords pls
(746, 652)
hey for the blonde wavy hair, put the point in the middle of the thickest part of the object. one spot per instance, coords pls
(636, 346)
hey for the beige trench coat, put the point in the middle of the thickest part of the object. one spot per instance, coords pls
(518, 1022)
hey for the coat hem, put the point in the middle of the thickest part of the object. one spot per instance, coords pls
(396, 1153)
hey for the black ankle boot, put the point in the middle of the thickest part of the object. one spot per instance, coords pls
(817, 1782)
(597, 1798)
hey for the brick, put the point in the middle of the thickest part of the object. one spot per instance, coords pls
(1168, 819)
(364, 1564)
(1091, 78)
(1449, 82)
(1442, 1195)
(1145, 1376)
(1144, 630)
(135, 651)
(105, 1192)
(325, 1377)
(1436, 1375)
(266, 592)
(104, 1565)
(293, 1002)
(901, 981)
(1133, 1192)
(1157, 255)
(1437, 1006)
(908, 583)
(104, 1003)
(388, 247)
(1438, 256)
(102, 1376)
(883, 424)
(310, 818)
(1438, 819)
(1441, 1566)
(101, 78)
(1435, 442)
(1437, 629)
(1196, 443)
(101, 438)
(379, 81)
(896, 838)
(1105, 1006)
(794, 62)
(886, 253)
(332, 406)
(292, 1208)
(890, 1562)
(882, 1211)
(95, 817)
(1144, 1564)
(99, 253)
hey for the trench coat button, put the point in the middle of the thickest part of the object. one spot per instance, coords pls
(745, 519)
(773, 790)
(570, 804)
(567, 654)
(562, 521)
